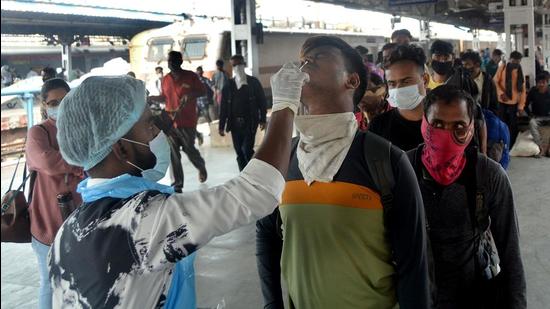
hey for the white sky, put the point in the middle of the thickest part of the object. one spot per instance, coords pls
(371, 22)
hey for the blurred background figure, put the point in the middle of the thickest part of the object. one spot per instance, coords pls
(48, 73)
(206, 101)
(401, 37)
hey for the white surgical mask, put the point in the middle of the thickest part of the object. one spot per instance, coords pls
(161, 149)
(406, 98)
(52, 112)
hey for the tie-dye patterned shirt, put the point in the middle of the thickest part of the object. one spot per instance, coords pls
(120, 253)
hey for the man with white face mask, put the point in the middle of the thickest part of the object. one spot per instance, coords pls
(242, 110)
(340, 247)
(120, 248)
(407, 81)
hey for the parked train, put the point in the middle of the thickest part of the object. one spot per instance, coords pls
(203, 42)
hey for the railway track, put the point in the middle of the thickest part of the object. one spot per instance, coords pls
(12, 149)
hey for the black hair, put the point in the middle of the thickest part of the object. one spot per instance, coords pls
(498, 52)
(52, 84)
(159, 69)
(389, 46)
(407, 53)
(219, 63)
(354, 62)
(473, 56)
(48, 73)
(362, 50)
(440, 47)
(449, 94)
(376, 80)
(132, 74)
(199, 68)
(401, 32)
(516, 55)
(175, 56)
(238, 58)
(541, 76)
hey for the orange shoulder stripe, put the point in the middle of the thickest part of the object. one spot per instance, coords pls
(335, 193)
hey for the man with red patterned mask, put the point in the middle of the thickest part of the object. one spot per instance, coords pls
(469, 206)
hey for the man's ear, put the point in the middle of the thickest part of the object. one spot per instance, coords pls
(353, 81)
(120, 152)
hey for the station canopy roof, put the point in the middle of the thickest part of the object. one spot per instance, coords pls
(46, 18)
(478, 14)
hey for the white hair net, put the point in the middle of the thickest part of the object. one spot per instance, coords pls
(95, 115)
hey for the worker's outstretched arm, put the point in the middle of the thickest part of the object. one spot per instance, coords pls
(287, 90)
(175, 225)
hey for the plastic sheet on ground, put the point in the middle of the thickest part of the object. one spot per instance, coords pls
(525, 146)
(113, 67)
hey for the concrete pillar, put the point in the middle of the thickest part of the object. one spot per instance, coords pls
(66, 61)
(546, 39)
(476, 43)
(243, 37)
(425, 34)
(517, 16)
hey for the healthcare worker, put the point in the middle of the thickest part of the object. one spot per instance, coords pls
(118, 250)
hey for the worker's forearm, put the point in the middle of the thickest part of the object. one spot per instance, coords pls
(275, 148)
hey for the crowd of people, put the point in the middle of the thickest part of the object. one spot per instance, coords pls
(393, 193)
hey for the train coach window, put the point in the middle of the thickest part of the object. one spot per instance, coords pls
(159, 49)
(194, 48)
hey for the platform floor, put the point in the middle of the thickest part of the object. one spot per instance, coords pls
(226, 268)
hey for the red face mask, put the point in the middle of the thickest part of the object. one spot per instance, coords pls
(443, 154)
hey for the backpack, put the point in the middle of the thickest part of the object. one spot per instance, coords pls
(16, 225)
(498, 139)
(377, 153)
(487, 259)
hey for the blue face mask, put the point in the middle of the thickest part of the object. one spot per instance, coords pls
(161, 149)
(52, 112)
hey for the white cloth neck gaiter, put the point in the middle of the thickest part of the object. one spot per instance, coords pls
(324, 143)
(240, 76)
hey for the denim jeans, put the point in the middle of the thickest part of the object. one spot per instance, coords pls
(45, 293)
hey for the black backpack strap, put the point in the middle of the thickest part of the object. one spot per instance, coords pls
(294, 146)
(32, 174)
(481, 210)
(377, 153)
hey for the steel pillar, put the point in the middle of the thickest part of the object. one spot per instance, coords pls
(515, 17)
(476, 43)
(243, 36)
(66, 61)
(546, 39)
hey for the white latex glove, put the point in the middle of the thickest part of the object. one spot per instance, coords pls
(286, 86)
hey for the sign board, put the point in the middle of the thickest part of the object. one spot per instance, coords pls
(409, 2)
